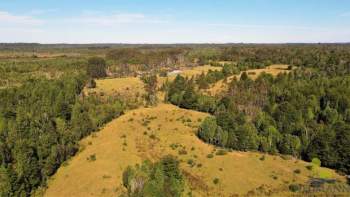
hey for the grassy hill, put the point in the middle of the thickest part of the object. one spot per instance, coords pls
(274, 70)
(150, 133)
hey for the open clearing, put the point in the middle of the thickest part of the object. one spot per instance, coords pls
(150, 133)
(134, 87)
(274, 70)
(114, 86)
(191, 72)
(199, 70)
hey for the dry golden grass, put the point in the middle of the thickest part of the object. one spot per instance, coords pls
(190, 72)
(150, 133)
(274, 70)
(133, 85)
(198, 70)
(114, 86)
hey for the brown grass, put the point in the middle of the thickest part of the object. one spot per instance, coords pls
(274, 70)
(150, 133)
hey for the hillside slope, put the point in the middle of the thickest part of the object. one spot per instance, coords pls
(150, 133)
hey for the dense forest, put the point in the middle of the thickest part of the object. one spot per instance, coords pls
(304, 113)
(41, 123)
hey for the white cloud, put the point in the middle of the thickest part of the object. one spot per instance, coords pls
(100, 27)
(7, 18)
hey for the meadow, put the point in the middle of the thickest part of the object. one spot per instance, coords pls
(150, 133)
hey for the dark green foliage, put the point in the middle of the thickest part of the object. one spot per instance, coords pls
(221, 152)
(244, 76)
(208, 129)
(163, 178)
(216, 181)
(150, 82)
(305, 114)
(294, 187)
(40, 125)
(209, 156)
(96, 67)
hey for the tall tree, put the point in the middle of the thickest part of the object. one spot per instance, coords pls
(150, 84)
(96, 67)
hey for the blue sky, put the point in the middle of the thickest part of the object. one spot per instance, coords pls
(176, 21)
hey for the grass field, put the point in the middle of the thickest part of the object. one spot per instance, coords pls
(133, 87)
(118, 86)
(150, 133)
(274, 70)
(191, 72)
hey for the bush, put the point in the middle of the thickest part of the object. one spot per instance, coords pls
(191, 162)
(210, 156)
(153, 137)
(163, 177)
(294, 187)
(309, 167)
(182, 152)
(216, 181)
(92, 157)
(221, 152)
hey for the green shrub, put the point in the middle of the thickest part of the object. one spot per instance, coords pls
(174, 146)
(216, 181)
(294, 187)
(221, 152)
(210, 156)
(92, 157)
(191, 162)
(153, 137)
(163, 177)
(316, 162)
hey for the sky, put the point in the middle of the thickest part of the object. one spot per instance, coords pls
(174, 21)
